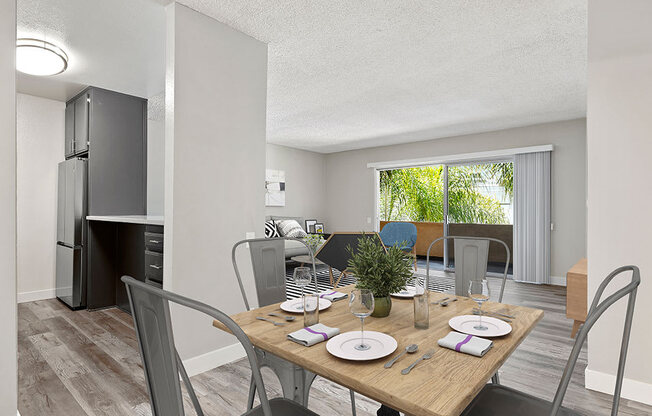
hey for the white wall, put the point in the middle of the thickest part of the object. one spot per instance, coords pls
(8, 395)
(619, 186)
(305, 177)
(156, 154)
(350, 184)
(216, 90)
(40, 125)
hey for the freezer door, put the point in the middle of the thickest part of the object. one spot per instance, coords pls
(69, 276)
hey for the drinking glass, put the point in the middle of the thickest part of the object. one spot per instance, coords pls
(361, 303)
(302, 278)
(479, 292)
(421, 304)
(310, 309)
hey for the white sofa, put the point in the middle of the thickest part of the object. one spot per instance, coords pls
(292, 247)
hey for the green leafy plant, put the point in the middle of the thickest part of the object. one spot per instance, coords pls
(382, 271)
(314, 241)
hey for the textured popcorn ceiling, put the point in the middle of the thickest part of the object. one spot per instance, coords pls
(357, 73)
(360, 73)
(114, 44)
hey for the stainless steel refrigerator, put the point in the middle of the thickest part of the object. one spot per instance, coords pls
(72, 233)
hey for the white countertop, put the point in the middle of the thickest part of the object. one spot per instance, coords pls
(129, 219)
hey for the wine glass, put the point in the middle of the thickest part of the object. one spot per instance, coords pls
(479, 292)
(361, 303)
(301, 278)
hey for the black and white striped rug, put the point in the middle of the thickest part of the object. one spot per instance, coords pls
(438, 282)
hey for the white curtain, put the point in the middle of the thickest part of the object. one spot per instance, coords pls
(532, 217)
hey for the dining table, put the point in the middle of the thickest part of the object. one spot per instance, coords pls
(441, 386)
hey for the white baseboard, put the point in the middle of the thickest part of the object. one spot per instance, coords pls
(558, 280)
(605, 383)
(213, 359)
(36, 295)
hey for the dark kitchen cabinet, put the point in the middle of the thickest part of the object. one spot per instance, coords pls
(80, 144)
(77, 125)
(110, 129)
(70, 130)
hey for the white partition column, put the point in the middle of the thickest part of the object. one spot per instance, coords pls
(8, 394)
(619, 143)
(216, 90)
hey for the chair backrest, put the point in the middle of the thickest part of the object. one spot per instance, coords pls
(151, 312)
(394, 233)
(471, 256)
(268, 261)
(597, 309)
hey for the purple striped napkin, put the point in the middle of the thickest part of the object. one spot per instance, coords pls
(332, 295)
(467, 344)
(313, 334)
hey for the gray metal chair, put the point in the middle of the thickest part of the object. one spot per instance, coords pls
(268, 261)
(471, 258)
(500, 400)
(150, 307)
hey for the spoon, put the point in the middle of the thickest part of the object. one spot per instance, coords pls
(447, 302)
(287, 318)
(269, 320)
(425, 356)
(440, 301)
(410, 349)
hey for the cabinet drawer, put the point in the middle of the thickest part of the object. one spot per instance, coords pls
(154, 242)
(154, 266)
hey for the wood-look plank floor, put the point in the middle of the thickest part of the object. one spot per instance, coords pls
(87, 363)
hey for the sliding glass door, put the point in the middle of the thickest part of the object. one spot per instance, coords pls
(472, 198)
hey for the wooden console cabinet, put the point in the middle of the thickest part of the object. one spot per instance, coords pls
(576, 295)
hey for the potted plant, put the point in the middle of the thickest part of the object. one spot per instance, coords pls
(382, 270)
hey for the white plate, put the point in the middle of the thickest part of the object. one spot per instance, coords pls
(408, 292)
(465, 324)
(296, 305)
(343, 345)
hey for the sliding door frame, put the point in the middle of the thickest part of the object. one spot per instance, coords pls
(506, 158)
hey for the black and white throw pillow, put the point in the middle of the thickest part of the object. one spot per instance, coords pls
(290, 229)
(270, 229)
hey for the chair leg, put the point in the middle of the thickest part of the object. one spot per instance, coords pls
(414, 253)
(352, 402)
(252, 394)
(495, 379)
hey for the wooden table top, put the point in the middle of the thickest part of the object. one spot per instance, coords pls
(441, 386)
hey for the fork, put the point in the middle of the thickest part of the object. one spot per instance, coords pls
(269, 320)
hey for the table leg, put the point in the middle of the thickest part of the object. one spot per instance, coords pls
(330, 275)
(576, 327)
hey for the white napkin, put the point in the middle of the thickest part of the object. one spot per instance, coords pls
(467, 344)
(332, 295)
(313, 334)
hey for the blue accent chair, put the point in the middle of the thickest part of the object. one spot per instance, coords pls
(402, 235)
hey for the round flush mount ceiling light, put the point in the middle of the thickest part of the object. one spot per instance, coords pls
(38, 57)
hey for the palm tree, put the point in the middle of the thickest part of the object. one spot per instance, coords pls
(417, 194)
